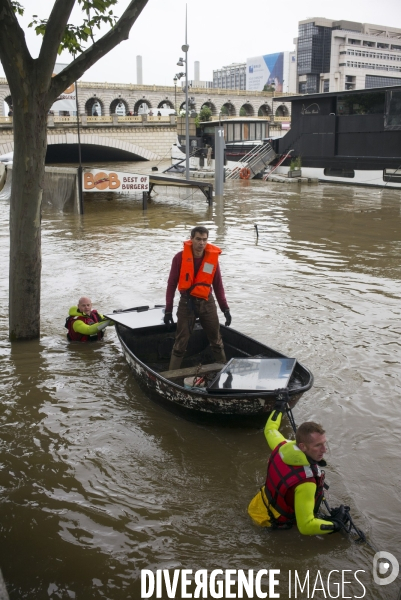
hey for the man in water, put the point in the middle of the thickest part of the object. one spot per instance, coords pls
(294, 486)
(194, 271)
(85, 323)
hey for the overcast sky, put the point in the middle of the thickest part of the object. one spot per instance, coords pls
(219, 32)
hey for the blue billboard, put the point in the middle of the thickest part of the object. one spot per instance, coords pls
(265, 72)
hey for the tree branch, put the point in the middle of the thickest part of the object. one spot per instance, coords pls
(14, 53)
(55, 28)
(110, 40)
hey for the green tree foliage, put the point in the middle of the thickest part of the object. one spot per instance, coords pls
(205, 113)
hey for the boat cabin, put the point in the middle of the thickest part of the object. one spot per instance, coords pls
(240, 135)
(343, 131)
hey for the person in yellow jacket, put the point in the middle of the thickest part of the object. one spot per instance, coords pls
(85, 323)
(294, 485)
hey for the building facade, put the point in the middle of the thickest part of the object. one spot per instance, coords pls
(333, 56)
(231, 77)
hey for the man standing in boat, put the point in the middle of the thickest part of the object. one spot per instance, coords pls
(85, 323)
(195, 270)
(294, 487)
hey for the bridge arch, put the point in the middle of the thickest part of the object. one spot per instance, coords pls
(209, 104)
(99, 145)
(119, 106)
(5, 99)
(247, 110)
(142, 106)
(165, 104)
(94, 104)
(96, 144)
(264, 110)
(228, 109)
(282, 111)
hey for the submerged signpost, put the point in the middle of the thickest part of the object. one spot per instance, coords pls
(219, 147)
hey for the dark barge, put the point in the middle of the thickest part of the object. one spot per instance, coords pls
(346, 137)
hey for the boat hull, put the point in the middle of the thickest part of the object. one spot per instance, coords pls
(246, 407)
(361, 177)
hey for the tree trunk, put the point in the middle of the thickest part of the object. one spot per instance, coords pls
(30, 142)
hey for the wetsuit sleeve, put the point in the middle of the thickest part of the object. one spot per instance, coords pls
(84, 329)
(172, 282)
(218, 289)
(272, 434)
(304, 504)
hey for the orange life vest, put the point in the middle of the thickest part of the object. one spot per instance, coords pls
(200, 285)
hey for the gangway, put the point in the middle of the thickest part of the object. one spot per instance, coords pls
(255, 161)
(279, 162)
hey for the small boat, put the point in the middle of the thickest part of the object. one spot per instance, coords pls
(239, 390)
(244, 137)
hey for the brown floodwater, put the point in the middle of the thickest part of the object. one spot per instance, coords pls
(97, 482)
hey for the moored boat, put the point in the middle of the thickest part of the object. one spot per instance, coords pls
(351, 136)
(240, 390)
(243, 136)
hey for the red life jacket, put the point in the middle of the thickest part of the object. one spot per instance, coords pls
(281, 478)
(73, 336)
(199, 285)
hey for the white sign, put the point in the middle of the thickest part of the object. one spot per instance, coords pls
(95, 180)
(67, 100)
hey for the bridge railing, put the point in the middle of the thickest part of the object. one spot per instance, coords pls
(85, 120)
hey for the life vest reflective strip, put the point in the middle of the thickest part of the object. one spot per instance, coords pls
(281, 478)
(199, 285)
(74, 336)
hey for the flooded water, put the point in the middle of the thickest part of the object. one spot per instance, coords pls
(97, 482)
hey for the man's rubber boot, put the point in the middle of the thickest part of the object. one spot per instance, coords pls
(175, 362)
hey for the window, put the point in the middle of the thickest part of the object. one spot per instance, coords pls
(333, 172)
(373, 81)
(361, 104)
(393, 110)
(393, 175)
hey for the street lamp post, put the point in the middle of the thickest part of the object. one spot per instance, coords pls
(180, 63)
(175, 93)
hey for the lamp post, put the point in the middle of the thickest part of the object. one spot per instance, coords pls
(180, 63)
(80, 196)
(175, 92)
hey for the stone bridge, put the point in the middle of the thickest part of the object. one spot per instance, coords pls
(110, 98)
(120, 131)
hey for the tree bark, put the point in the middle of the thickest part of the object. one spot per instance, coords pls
(30, 142)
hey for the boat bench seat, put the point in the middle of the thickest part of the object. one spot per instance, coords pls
(188, 371)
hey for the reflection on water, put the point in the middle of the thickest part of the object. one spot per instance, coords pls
(98, 482)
